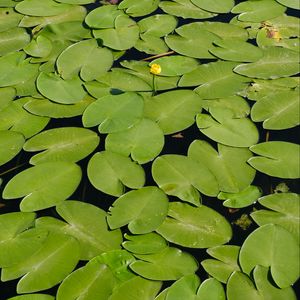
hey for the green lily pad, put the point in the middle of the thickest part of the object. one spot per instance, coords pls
(169, 264)
(276, 158)
(283, 259)
(242, 199)
(41, 8)
(11, 144)
(144, 243)
(217, 6)
(194, 227)
(225, 262)
(43, 185)
(228, 164)
(47, 108)
(185, 9)
(165, 107)
(151, 44)
(222, 127)
(144, 141)
(290, 3)
(215, 80)
(114, 112)
(62, 144)
(211, 289)
(84, 57)
(9, 18)
(110, 172)
(140, 8)
(15, 118)
(7, 95)
(93, 240)
(40, 47)
(58, 256)
(157, 25)
(276, 62)
(180, 176)
(33, 297)
(123, 36)
(277, 111)
(258, 11)
(283, 210)
(143, 210)
(94, 279)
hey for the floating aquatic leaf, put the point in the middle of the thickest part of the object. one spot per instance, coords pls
(157, 25)
(276, 158)
(144, 141)
(217, 6)
(47, 108)
(235, 50)
(215, 80)
(40, 47)
(211, 289)
(194, 227)
(44, 185)
(84, 57)
(228, 164)
(276, 62)
(164, 109)
(7, 94)
(282, 259)
(151, 44)
(263, 10)
(14, 117)
(180, 176)
(9, 18)
(277, 111)
(110, 172)
(33, 297)
(123, 36)
(222, 127)
(144, 243)
(47, 267)
(95, 279)
(62, 144)
(143, 210)
(87, 224)
(169, 264)
(185, 9)
(11, 144)
(41, 8)
(290, 3)
(140, 8)
(114, 112)
(239, 283)
(242, 199)
(225, 262)
(283, 210)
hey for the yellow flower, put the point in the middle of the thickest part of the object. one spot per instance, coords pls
(276, 36)
(155, 69)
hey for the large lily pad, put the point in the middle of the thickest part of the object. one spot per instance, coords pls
(218, 6)
(194, 227)
(143, 210)
(140, 8)
(44, 185)
(110, 172)
(276, 158)
(62, 144)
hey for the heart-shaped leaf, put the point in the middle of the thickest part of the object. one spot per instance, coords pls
(194, 227)
(143, 210)
(140, 8)
(110, 172)
(43, 185)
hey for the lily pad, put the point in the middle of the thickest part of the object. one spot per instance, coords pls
(143, 210)
(84, 57)
(290, 3)
(62, 144)
(283, 209)
(11, 144)
(33, 297)
(140, 8)
(276, 158)
(228, 164)
(194, 227)
(110, 172)
(114, 112)
(169, 264)
(165, 107)
(144, 141)
(180, 176)
(43, 185)
(217, 6)
(283, 259)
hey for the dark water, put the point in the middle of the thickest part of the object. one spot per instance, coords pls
(87, 193)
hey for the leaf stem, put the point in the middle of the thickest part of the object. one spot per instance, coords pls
(158, 55)
(12, 169)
